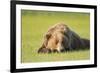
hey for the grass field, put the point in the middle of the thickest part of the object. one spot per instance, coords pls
(36, 23)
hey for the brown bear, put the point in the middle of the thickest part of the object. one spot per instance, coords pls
(61, 38)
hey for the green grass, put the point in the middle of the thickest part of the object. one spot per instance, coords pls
(36, 23)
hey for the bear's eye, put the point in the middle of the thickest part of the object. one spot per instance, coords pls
(48, 36)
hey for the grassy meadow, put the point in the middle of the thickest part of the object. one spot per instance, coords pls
(36, 23)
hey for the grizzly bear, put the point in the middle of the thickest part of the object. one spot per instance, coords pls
(61, 38)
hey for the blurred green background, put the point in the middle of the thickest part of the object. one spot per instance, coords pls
(36, 23)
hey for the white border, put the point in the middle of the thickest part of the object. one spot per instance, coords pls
(20, 65)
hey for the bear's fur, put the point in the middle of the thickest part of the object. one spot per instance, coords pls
(60, 38)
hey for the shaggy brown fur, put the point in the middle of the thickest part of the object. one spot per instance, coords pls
(60, 38)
